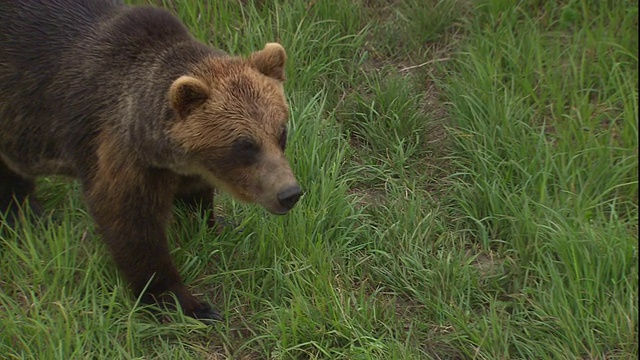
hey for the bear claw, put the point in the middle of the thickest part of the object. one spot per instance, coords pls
(206, 313)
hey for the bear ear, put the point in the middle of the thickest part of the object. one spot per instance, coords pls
(270, 60)
(187, 93)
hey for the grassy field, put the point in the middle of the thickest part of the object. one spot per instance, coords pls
(471, 184)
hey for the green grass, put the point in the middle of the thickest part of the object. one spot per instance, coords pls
(509, 232)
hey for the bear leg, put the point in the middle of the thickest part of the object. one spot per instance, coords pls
(131, 211)
(197, 196)
(15, 192)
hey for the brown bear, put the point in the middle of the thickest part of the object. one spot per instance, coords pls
(124, 99)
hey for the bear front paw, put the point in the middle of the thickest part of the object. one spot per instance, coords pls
(206, 313)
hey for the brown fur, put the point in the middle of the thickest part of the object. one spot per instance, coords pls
(124, 99)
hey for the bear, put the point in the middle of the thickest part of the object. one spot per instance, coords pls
(125, 100)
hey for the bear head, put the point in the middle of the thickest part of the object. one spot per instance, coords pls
(232, 127)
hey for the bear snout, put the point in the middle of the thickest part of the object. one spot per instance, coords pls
(288, 197)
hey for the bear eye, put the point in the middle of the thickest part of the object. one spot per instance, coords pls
(244, 145)
(283, 139)
(245, 149)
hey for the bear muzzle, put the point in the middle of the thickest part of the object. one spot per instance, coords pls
(288, 197)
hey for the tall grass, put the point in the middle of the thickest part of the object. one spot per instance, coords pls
(545, 118)
(514, 236)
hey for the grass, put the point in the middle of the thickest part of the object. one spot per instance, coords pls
(483, 205)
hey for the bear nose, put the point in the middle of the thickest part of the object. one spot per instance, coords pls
(289, 196)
